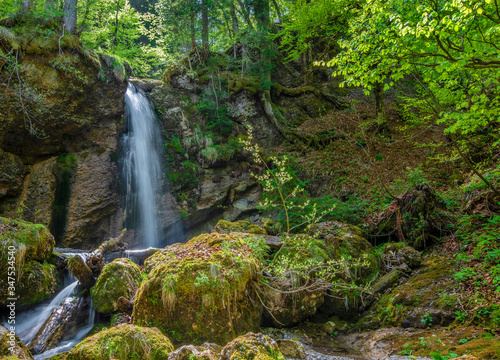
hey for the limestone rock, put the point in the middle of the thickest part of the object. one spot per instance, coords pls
(252, 346)
(205, 351)
(203, 290)
(39, 191)
(292, 349)
(120, 278)
(12, 171)
(92, 210)
(11, 346)
(76, 103)
(123, 342)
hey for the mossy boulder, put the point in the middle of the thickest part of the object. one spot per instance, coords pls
(243, 226)
(252, 346)
(123, 342)
(285, 303)
(38, 282)
(333, 262)
(32, 246)
(401, 255)
(425, 299)
(119, 278)
(35, 238)
(203, 290)
(11, 346)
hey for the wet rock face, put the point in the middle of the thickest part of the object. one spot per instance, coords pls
(92, 207)
(120, 278)
(76, 109)
(65, 105)
(12, 171)
(11, 346)
(123, 342)
(203, 290)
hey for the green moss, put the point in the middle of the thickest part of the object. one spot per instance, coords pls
(36, 240)
(243, 226)
(123, 342)
(202, 290)
(253, 347)
(121, 277)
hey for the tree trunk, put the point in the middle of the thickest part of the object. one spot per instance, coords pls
(204, 30)
(191, 25)
(234, 19)
(26, 5)
(379, 104)
(115, 39)
(70, 15)
(81, 271)
(245, 13)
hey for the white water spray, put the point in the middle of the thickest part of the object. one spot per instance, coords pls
(142, 170)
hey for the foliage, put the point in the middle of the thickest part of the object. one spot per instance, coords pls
(447, 46)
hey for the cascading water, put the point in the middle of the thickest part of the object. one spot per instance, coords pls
(141, 167)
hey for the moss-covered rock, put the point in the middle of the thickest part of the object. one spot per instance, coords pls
(243, 226)
(121, 277)
(203, 290)
(11, 346)
(123, 342)
(400, 254)
(252, 347)
(35, 238)
(425, 299)
(334, 260)
(30, 246)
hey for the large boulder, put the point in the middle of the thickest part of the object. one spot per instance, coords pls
(123, 342)
(119, 278)
(203, 290)
(11, 347)
(322, 271)
(425, 299)
(29, 246)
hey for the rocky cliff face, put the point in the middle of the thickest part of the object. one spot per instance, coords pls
(61, 111)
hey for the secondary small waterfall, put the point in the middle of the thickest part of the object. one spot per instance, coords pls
(141, 167)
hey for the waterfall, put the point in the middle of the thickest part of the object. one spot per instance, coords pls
(141, 167)
(29, 322)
